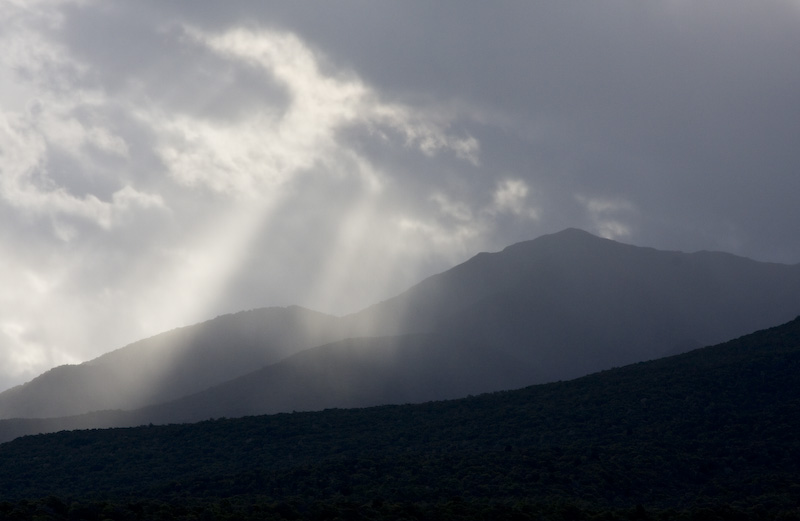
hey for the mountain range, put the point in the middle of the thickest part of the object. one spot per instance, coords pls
(554, 308)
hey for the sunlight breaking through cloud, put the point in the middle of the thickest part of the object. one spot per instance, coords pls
(162, 163)
(264, 153)
(221, 186)
(269, 147)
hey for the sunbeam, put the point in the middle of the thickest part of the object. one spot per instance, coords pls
(165, 162)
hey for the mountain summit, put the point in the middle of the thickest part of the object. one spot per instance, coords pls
(553, 308)
(572, 303)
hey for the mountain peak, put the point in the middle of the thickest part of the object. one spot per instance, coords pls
(572, 232)
(567, 234)
(567, 239)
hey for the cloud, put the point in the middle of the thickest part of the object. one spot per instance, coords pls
(47, 119)
(609, 216)
(26, 182)
(457, 225)
(265, 149)
(163, 204)
(164, 162)
(511, 196)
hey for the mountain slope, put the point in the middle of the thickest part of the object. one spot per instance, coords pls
(709, 434)
(557, 307)
(172, 364)
(357, 372)
(571, 303)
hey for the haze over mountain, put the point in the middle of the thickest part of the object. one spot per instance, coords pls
(557, 307)
(172, 364)
(554, 308)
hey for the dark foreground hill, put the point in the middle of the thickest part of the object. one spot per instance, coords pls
(709, 434)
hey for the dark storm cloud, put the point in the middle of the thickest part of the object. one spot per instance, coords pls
(131, 47)
(687, 111)
(668, 105)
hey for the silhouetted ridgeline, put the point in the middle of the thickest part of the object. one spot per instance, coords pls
(710, 434)
(557, 307)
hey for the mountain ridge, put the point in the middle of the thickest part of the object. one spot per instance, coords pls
(554, 308)
(129, 377)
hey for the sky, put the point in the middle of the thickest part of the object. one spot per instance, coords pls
(162, 163)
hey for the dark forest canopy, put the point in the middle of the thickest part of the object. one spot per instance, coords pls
(710, 433)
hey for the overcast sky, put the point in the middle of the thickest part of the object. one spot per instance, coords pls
(162, 163)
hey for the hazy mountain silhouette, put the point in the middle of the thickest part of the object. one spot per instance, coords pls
(571, 303)
(172, 364)
(357, 372)
(557, 307)
(554, 308)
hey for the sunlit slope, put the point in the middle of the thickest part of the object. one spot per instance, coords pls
(172, 364)
(555, 308)
(356, 372)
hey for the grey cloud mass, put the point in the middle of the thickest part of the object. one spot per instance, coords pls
(165, 162)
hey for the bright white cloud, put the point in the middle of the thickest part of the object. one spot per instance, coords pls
(267, 148)
(511, 196)
(456, 226)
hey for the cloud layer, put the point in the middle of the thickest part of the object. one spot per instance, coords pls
(162, 163)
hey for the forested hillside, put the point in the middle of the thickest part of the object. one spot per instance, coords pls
(710, 434)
